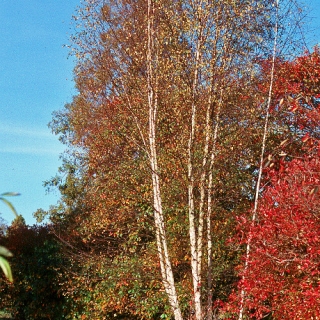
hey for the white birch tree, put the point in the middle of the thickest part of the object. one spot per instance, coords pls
(183, 59)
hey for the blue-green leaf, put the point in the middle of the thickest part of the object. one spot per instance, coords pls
(10, 194)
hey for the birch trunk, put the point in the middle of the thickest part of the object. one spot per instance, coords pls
(209, 207)
(263, 147)
(165, 264)
(196, 276)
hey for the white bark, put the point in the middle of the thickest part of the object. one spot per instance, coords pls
(209, 207)
(263, 147)
(165, 264)
(196, 276)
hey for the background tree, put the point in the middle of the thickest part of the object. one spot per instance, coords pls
(36, 264)
(284, 238)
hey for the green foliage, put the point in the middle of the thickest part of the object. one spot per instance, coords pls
(36, 265)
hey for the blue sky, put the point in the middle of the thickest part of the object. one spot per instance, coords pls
(35, 80)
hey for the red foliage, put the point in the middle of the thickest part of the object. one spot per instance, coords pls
(299, 76)
(282, 277)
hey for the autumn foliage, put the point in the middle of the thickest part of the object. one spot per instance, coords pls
(158, 183)
(282, 276)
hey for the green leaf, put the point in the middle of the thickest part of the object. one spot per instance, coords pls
(4, 264)
(9, 204)
(5, 252)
